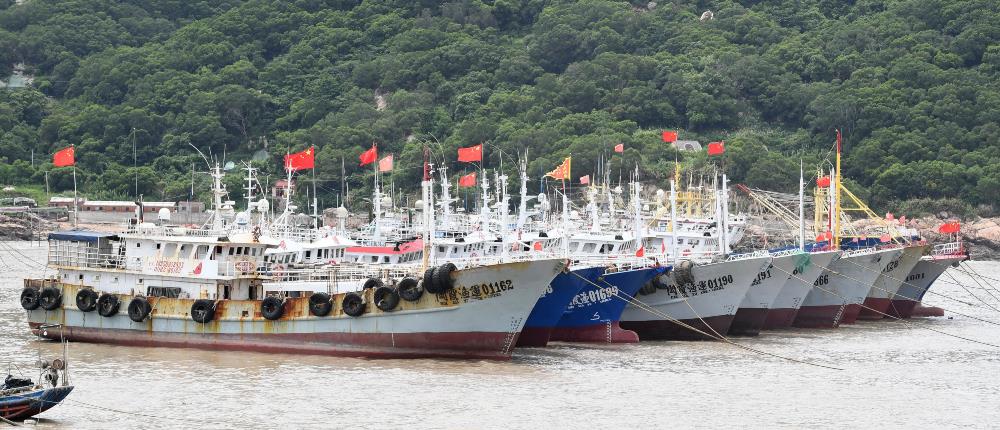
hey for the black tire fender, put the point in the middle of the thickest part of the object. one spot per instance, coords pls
(353, 304)
(320, 304)
(86, 300)
(442, 277)
(50, 298)
(29, 298)
(386, 298)
(428, 281)
(409, 289)
(272, 307)
(203, 310)
(108, 305)
(139, 309)
(372, 283)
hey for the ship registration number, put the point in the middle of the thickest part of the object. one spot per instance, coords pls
(476, 292)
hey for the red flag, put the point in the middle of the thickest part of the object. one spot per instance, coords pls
(537, 246)
(385, 164)
(65, 157)
(889, 216)
(301, 160)
(641, 252)
(585, 180)
(669, 136)
(369, 156)
(471, 154)
(467, 180)
(716, 148)
(949, 228)
(619, 148)
(562, 171)
(823, 181)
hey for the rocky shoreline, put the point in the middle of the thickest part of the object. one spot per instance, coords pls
(24, 226)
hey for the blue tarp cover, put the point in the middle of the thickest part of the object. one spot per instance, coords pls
(80, 236)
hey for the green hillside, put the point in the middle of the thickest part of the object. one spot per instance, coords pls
(914, 85)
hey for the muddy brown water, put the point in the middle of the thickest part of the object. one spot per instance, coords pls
(895, 375)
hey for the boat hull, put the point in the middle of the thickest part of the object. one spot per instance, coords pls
(24, 405)
(786, 306)
(838, 292)
(918, 281)
(708, 305)
(481, 317)
(763, 293)
(550, 307)
(887, 284)
(593, 314)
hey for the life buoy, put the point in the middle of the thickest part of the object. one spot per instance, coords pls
(272, 307)
(50, 298)
(353, 304)
(442, 277)
(203, 310)
(409, 289)
(86, 300)
(108, 305)
(139, 309)
(320, 304)
(29, 298)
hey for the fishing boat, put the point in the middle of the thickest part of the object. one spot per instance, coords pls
(808, 269)
(545, 315)
(764, 291)
(840, 290)
(922, 277)
(696, 301)
(21, 398)
(593, 314)
(891, 278)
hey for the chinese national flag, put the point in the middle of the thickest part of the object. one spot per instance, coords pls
(584, 180)
(385, 164)
(949, 228)
(641, 252)
(669, 136)
(470, 154)
(65, 157)
(467, 180)
(301, 160)
(716, 148)
(561, 172)
(620, 148)
(369, 156)
(823, 181)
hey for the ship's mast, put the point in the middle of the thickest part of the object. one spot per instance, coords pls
(522, 207)
(673, 221)
(802, 204)
(836, 198)
(503, 212)
(218, 191)
(427, 194)
(484, 210)
(445, 196)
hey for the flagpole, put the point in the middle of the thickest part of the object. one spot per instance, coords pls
(76, 200)
(315, 200)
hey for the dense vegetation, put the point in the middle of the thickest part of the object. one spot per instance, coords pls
(913, 84)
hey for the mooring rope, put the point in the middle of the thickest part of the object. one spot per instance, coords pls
(908, 323)
(955, 281)
(641, 305)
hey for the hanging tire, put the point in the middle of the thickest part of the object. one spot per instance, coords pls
(203, 311)
(683, 273)
(386, 298)
(372, 283)
(661, 282)
(272, 307)
(409, 289)
(442, 277)
(428, 281)
(647, 289)
(353, 304)
(29, 298)
(139, 308)
(320, 304)
(50, 298)
(86, 300)
(108, 305)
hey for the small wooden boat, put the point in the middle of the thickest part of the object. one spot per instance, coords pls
(21, 398)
